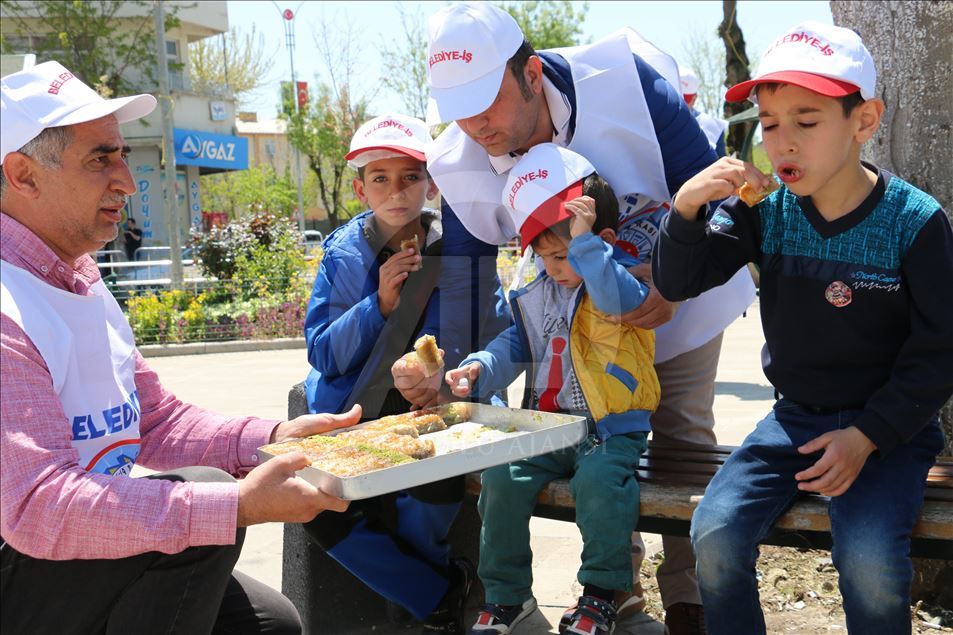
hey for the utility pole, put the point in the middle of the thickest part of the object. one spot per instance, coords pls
(168, 151)
(289, 22)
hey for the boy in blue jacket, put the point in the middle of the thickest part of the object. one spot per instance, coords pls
(856, 289)
(577, 361)
(372, 299)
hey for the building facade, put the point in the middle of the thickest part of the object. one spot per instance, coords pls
(204, 134)
(268, 144)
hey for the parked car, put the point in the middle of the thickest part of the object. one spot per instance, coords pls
(311, 238)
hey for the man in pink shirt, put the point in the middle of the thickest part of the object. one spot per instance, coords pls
(85, 548)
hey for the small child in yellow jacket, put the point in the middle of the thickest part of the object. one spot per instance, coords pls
(578, 360)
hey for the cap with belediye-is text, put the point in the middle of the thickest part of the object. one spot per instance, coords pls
(387, 137)
(539, 186)
(827, 59)
(468, 46)
(48, 96)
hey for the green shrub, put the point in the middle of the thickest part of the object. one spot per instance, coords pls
(270, 265)
(231, 252)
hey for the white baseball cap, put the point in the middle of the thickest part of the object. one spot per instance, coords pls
(468, 46)
(47, 96)
(387, 137)
(539, 186)
(823, 58)
(689, 80)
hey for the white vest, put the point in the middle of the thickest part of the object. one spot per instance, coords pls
(713, 127)
(614, 131)
(88, 347)
(620, 143)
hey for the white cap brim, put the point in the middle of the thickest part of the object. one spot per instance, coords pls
(124, 108)
(466, 100)
(50, 96)
(360, 158)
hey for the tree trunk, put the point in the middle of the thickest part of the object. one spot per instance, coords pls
(912, 47)
(736, 71)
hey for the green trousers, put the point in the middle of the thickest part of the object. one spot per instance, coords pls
(607, 508)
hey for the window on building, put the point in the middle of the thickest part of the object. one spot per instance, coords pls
(49, 45)
(177, 79)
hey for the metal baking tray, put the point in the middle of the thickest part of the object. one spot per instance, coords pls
(526, 433)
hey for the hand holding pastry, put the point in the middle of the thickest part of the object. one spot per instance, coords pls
(429, 355)
(412, 243)
(718, 181)
(392, 275)
(751, 195)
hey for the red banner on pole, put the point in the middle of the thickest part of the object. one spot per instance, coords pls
(302, 95)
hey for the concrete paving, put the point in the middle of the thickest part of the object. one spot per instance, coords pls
(257, 383)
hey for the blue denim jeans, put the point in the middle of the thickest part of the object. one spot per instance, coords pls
(870, 523)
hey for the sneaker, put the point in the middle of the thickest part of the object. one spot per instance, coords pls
(501, 619)
(685, 619)
(590, 616)
(448, 616)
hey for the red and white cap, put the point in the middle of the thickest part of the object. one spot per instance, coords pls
(47, 96)
(689, 80)
(539, 186)
(387, 137)
(827, 59)
(468, 46)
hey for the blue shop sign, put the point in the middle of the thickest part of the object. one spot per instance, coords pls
(194, 147)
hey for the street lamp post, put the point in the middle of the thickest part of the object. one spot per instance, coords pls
(289, 20)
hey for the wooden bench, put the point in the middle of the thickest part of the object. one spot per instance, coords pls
(673, 478)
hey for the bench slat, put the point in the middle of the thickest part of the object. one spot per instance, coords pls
(664, 466)
(679, 502)
(671, 459)
(675, 496)
(683, 448)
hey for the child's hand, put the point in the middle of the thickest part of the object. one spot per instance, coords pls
(414, 385)
(583, 210)
(845, 452)
(392, 275)
(719, 180)
(461, 379)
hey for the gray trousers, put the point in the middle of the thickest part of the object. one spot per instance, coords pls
(189, 593)
(684, 414)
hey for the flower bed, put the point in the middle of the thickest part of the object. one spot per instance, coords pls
(183, 316)
(264, 296)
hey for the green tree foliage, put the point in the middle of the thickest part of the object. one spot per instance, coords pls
(86, 37)
(405, 64)
(236, 63)
(549, 23)
(243, 193)
(706, 56)
(322, 131)
(259, 256)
